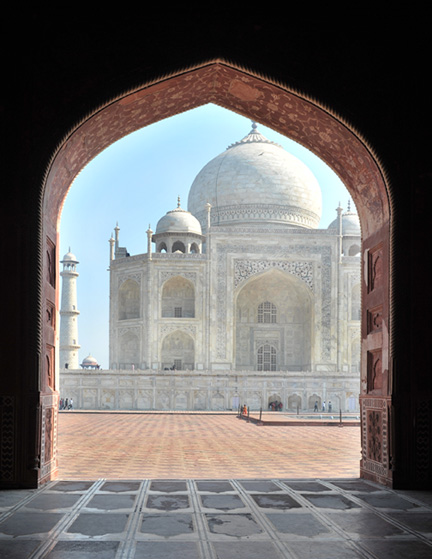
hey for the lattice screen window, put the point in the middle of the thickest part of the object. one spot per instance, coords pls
(267, 313)
(267, 358)
(178, 312)
(178, 364)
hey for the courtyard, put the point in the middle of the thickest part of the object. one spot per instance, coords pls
(210, 486)
(200, 446)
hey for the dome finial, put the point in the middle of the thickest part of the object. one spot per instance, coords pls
(254, 125)
(178, 201)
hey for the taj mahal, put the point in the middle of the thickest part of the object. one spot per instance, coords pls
(240, 299)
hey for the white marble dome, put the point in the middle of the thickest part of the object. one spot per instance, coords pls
(70, 257)
(178, 221)
(350, 224)
(256, 181)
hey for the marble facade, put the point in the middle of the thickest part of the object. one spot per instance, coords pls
(224, 303)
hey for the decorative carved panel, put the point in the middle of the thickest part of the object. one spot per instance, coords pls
(50, 366)
(375, 266)
(50, 262)
(374, 319)
(49, 405)
(374, 371)
(375, 438)
(49, 432)
(374, 435)
(50, 314)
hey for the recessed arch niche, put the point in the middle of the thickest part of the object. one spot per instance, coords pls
(178, 298)
(289, 112)
(178, 351)
(129, 300)
(274, 309)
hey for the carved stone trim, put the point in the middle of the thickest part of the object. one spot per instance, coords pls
(134, 329)
(260, 212)
(244, 269)
(164, 276)
(121, 278)
(169, 328)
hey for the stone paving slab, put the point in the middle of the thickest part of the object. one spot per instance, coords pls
(215, 519)
(200, 446)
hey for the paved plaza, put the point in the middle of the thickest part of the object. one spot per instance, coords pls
(200, 446)
(197, 486)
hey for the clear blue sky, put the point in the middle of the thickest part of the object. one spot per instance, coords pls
(135, 182)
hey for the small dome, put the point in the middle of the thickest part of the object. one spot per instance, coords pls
(89, 361)
(178, 221)
(256, 181)
(350, 224)
(70, 257)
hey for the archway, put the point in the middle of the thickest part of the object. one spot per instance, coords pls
(178, 298)
(274, 317)
(177, 351)
(293, 115)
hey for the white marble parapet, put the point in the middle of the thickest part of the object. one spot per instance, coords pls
(207, 390)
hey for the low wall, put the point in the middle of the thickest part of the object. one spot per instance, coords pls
(198, 390)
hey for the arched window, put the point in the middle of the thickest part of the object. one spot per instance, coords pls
(267, 358)
(266, 313)
(178, 246)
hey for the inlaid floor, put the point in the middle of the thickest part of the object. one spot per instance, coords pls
(215, 519)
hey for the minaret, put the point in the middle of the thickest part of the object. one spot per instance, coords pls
(69, 314)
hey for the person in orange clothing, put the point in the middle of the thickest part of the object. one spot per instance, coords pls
(244, 410)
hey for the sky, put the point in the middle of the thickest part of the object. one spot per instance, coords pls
(135, 182)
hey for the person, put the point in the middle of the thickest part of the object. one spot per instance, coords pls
(244, 410)
(316, 405)
(71, 404)
(330, 407)
(323, 406)
(66, 404)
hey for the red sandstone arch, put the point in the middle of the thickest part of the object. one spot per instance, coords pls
(304, 120)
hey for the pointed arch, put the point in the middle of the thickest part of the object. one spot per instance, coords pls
(178, 298)
(283, 109)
